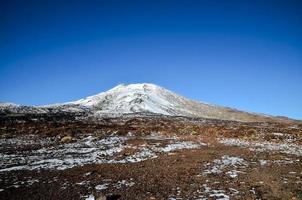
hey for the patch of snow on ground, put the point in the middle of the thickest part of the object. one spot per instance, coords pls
(119, 184)
(278, 134)
(26, 183)
(143, 154)
(180, 145)
(286, 148)
(224, 163)
(157, 136)
(284, 161)
(233, 173)
(89, 150)
(102, 186)
(83, 183)
(23, 140)
(233, 191)
(125, 183)
(263, 162)
(214, 193)
(90, 197)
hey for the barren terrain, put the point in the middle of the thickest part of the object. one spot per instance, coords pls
(148, 157)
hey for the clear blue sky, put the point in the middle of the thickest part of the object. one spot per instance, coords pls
(242, 54)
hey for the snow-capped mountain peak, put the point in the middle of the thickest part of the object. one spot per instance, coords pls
(140, 98)
(130, 98)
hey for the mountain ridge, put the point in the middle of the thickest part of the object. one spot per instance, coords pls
(140, 98)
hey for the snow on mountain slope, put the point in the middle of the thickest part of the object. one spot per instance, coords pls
(141, 98)
(8, 105)
(6, 108)
(130, 99)
(134, 98)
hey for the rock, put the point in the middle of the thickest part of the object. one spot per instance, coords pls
(66, 139)
(113, 197)
(101, 197)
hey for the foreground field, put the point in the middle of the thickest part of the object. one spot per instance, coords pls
(149, 158)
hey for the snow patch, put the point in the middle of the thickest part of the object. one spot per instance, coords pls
(180, 145)
(217, 194)
(89, 150)
(90, 197)
(224, 163)
(102, 186)
(286, 148)
(124, 183)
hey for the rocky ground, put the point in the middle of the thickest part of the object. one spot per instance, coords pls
(150, 157)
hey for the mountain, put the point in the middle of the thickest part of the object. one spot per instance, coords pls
(141, 98)
(6, 108)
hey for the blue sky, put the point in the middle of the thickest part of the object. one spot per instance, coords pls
(242, 54)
